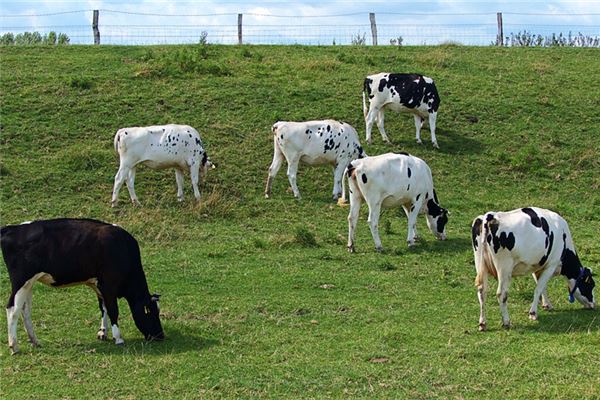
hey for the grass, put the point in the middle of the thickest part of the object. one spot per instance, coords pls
(260, 297)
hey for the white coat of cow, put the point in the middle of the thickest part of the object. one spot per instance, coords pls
(159, 147)
(394, 180)
(409, 93)
(526, 241)
(313, 143)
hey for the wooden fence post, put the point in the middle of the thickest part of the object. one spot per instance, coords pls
(239, 28)
(95, 28)
(373, 28)
(500, 38)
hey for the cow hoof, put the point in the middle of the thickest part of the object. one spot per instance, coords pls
(34, 343)
(379, 249)
(419, 141)
(547, 307)
(436, 145)
(506, 326)
(411, 244)
(119, 342)
(482, 327)
(14, 351)
(351, 249)
(136, 203)
(180, 199)
(267, 196)
(113, 204)
(533, 316)
(102, 335)
(369, 142)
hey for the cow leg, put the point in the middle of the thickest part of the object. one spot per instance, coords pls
(195, 175)
(27, 318)
(355, 203)
(412, 215)
(374, 211)
(418, 125)
(504, 269)
(380, 120)
(482, 289)
(369, 120)
(338, 175)
(546, 305)
(131, 187)
(540, 289)
(274, 168)
(112, 309)
(179, 180)
(17, 298)
(103, 320)
(120, 177)
(432, 121)
(291, 173)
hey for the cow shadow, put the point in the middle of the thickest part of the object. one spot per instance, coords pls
(451, 245)
(561, 321)
(450, 141)
(175, 342)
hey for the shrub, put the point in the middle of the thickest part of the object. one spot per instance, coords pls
(33, 38)
(529, 39)
(7, 39)
(359, 40)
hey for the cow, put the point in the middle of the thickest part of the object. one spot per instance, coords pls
(525, 241)
(394, 180)
(313, 143)
(66, 252)
(410, 93)
(160, 147)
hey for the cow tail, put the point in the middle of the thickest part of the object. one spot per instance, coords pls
(483, 260)
(365, 88)
(117, 141)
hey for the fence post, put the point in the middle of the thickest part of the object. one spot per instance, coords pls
(239, 28)
(373, 28)
(95, 28)
(500, 38)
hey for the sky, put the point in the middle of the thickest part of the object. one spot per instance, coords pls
(304, 22)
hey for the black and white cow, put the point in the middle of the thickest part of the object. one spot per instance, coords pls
(394, 180)
(160, 147)
(313, 143)
(410, 93)
(527, 241)
(66, 252)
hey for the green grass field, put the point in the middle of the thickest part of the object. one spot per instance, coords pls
(252, 306)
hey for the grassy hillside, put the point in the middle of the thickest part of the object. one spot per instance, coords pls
(260, 297)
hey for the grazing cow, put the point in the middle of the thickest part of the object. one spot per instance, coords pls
(313, 143)
(527, 241)
(394, 180)
(160, 147)
(411, 93)
(66, 252)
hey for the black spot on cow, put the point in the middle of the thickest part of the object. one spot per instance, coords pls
(489, 217)
(367, 87)
(190, 135)
(434, 209)
(281, 137)
(174, 144)
(419, 195)
(364, 178)
(426, 196)
(361, 152)
(328, 128)
(403, 153)
(545, 226)
(329, 144)
(535, 220)
(198, 142)
(475, 230)
(204, 158)
(507, 241)
(350, 169)
(412, 207)
(435, 198)
(409, 172)
(126, 132)
(550, 242)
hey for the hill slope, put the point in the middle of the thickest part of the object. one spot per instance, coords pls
(247, 304)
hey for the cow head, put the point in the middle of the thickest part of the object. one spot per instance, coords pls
(582, 288)
(146, 316)
(437, 218)
(205, 165)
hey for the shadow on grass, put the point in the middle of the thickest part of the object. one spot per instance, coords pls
(431, 245)
(175, 342)
(566, 320)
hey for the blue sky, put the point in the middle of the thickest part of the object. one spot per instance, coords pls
(269, 21)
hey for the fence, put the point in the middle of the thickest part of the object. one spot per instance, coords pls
(118, 27)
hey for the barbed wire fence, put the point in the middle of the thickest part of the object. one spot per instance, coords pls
(114, 27)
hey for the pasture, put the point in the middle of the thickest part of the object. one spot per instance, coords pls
(260, 298)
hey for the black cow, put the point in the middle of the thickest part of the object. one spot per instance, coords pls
(65, 252)
(411, 93)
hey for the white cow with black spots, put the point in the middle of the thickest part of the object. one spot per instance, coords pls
(313, 143)
(160, 147)
(527, 241)
(394, 180)
(408, 93)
